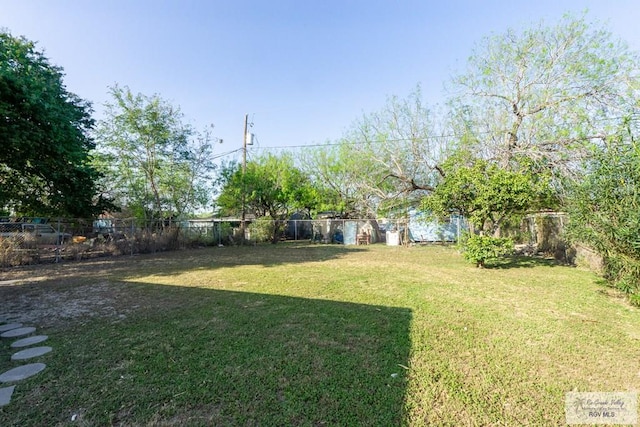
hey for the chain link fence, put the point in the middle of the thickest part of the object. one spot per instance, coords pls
(30, 240)
(26, 240)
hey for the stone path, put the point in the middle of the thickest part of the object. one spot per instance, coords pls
(18, 332)
(10, 326)
(15, 330)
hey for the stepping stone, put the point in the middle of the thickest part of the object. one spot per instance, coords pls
(5, 395)
(18, 332)
(29, 340)
(30, 353)
(10, 326)
(22, 372)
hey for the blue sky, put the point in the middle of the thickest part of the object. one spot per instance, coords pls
(303, 70)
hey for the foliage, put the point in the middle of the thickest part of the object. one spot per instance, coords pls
(403, 147)
(604, 209)
(486, 194)
(271, 186)
(480, 249)
(338, 173)
(44, 161)
(262, 229)
(531, 104)
(545, 93)
(385, 163)
(155, 166)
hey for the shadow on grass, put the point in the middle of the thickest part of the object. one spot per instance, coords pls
(266, 255)
(523, 262)
(168, 263)
(216, 357)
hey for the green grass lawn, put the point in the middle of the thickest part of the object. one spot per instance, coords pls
(319, 335)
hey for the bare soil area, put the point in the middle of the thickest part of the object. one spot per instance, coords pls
(53, 307)
(53, 295)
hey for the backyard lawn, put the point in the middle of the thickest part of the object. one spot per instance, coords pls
(314, 335)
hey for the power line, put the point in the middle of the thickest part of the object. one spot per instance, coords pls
(387, 140)
(226, 154)
(361, 142)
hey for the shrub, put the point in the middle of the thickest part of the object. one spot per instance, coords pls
(9, 252)
(480, 249)
(261, 230)
(604, 214)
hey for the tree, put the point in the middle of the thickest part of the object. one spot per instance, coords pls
(489, 197)
(545, 93)
(486, 194)
(604, 209)
(339, 174)
(386, 162)
(271, 186)
(154, 165)
(404, 150)
(45, 165)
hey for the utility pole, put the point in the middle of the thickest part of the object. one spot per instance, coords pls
(244, 144)
(244, 170)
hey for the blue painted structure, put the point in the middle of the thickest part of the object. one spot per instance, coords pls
(424, 229)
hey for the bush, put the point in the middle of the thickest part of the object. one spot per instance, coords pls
(9, 252)
(604, 214)
(623, 272)
(266, 229)
(480, 249)
(261, 230)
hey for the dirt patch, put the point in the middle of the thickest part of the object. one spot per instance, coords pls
(58, 295)
(67, 293)
(52, 307)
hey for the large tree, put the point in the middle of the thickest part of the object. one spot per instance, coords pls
(268, 187)
(155, 166)
(342, 177)
(545, 93)
(387, 161)
(45, 165)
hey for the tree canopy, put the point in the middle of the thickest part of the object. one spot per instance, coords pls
(398, 150)
(545, 93)
(270, 186)
(45, 166)
(487, 195)
(155, 166)
(338, 171)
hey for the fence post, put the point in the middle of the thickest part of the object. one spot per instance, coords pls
(58, 242)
